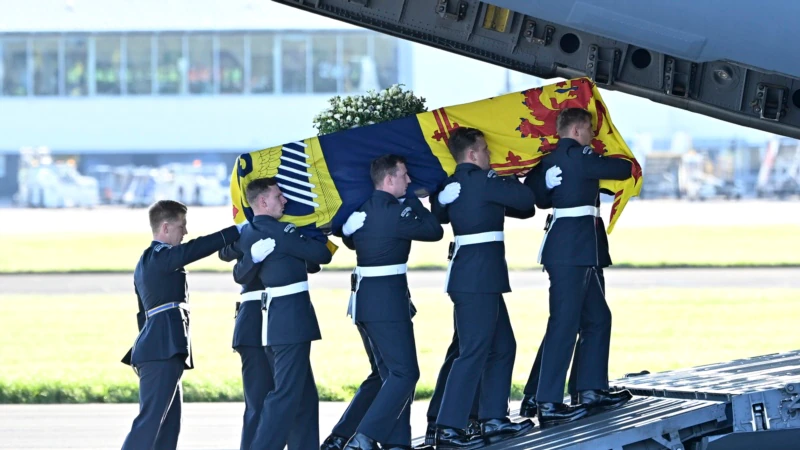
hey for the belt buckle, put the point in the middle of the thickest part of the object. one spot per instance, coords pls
(451, 250)
(184, 313)
(548, 222)
(264, 298)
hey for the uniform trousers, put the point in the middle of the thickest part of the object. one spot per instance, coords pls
(533, 378)
(487, 350)
(160, 399)
(441, 380)
(577, 302)
(346, 427)
(290, 415)
(388, 418)
(256, 382)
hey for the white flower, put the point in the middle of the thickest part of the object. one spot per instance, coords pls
(349, 117)
(358, 120)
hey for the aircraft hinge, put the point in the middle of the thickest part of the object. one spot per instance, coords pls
(530, 33)
(771, 101)
(679, 77)
(602, 64)
(441, 10)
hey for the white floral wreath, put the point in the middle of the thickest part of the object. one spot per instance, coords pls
(354, 111)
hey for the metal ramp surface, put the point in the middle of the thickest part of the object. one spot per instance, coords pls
(645, 422)
(720, 381)
(751, 403)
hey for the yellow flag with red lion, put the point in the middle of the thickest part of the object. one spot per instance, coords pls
(326, 178)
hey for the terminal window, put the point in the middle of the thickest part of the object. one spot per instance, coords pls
(108, 60)
(14, 68)
(45, 66)
(139, 64)
(196, 63)
(75, 66)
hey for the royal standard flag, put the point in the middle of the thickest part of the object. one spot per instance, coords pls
(326, 178)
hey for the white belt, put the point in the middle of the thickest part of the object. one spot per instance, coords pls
(471, 239)
(577, 211)
(165, 307)
(159, 309)
(369, 272)
(250, 296)
(266, 297)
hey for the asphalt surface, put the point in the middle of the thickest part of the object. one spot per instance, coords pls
(102, 426)
(788, 278)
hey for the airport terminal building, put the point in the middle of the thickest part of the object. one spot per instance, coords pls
(152, 82)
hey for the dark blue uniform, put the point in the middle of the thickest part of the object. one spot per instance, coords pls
(536, 181)
(478, 279)
(162, 349)
(290, 413)
(572, 256)
(438, 391)
(256, 373)
(384, 311)
(363, 398)
(367, 391)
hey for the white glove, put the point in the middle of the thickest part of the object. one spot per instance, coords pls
(552, 177)
(261, 249)
(239, 226)
(354, 223)
(450, 193)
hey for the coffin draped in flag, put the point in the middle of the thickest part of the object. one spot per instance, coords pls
(326, 178)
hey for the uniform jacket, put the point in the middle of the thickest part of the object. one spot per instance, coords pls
(482, 205)
(160, 278)
(384, 240)
(291, 318)
(578, 241)
(247, 328)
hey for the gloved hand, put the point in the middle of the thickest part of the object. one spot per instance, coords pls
(552, 177)
(450, 193)
(261, 249)
(354, 223)
(239, 226)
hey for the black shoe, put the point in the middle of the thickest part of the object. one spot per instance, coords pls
(473, 428)
(558, 413)
(360, 441)
(430, 434)
(333, 442)
(447, 437)
(528, 406)
(496, 430)
(574, 400)
(598, 400)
